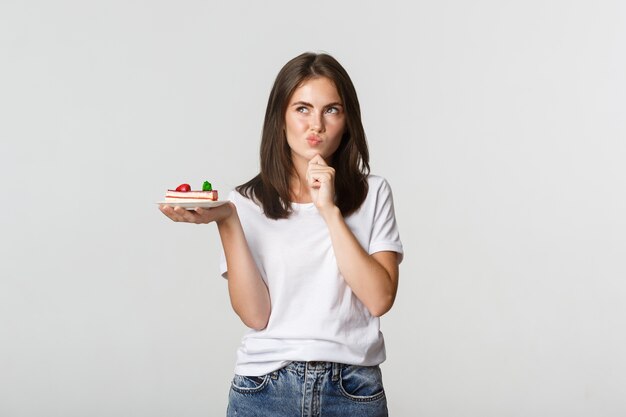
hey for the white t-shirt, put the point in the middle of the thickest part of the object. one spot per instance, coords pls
(314, 314)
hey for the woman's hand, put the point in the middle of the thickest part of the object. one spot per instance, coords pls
(321, 180)
(198, 215)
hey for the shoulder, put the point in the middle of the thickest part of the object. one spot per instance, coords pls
(377, 184)
(241, 201)
(379, 193)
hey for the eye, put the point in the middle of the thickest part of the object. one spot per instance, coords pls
(302, 109)
(332, 110)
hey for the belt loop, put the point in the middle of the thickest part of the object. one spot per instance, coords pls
(336, 371)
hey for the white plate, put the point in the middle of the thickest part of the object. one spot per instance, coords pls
(192, 204)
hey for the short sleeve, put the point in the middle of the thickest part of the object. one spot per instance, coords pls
(385, 235)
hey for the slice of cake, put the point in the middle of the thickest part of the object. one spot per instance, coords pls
(184, 192)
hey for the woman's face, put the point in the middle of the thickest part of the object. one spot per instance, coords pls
(315, 120)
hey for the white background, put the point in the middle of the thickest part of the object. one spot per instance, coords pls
(499, 124)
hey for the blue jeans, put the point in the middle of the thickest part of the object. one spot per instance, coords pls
(310, 389)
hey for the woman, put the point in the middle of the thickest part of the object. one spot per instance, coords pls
(311, 253)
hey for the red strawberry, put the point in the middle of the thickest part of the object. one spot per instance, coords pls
(184, 188)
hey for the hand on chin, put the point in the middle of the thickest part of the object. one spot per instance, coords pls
(321, 180)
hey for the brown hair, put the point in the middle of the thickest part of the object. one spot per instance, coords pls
(271, 187)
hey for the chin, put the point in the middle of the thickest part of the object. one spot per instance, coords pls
(310, 153)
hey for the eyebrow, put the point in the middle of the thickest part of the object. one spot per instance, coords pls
(304, 103)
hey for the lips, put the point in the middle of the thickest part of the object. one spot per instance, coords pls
(313, 140)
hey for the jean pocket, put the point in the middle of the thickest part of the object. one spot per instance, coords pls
(249, 384)
(361, 383)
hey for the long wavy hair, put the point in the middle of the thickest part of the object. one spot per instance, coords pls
(271, 187)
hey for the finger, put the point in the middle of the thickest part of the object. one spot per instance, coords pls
(318, 179)
(173, 214)
(184, 214)
(317, 160)
(322, 176)
(169, 212)
(319, 171)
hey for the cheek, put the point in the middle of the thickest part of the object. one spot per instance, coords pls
(338, 127)
(293, 124)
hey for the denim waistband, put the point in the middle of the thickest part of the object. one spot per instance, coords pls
(302, 368)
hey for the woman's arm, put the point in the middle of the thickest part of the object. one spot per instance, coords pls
(249, 295)
(372, 278)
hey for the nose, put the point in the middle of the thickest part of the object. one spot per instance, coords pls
(317, 122)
